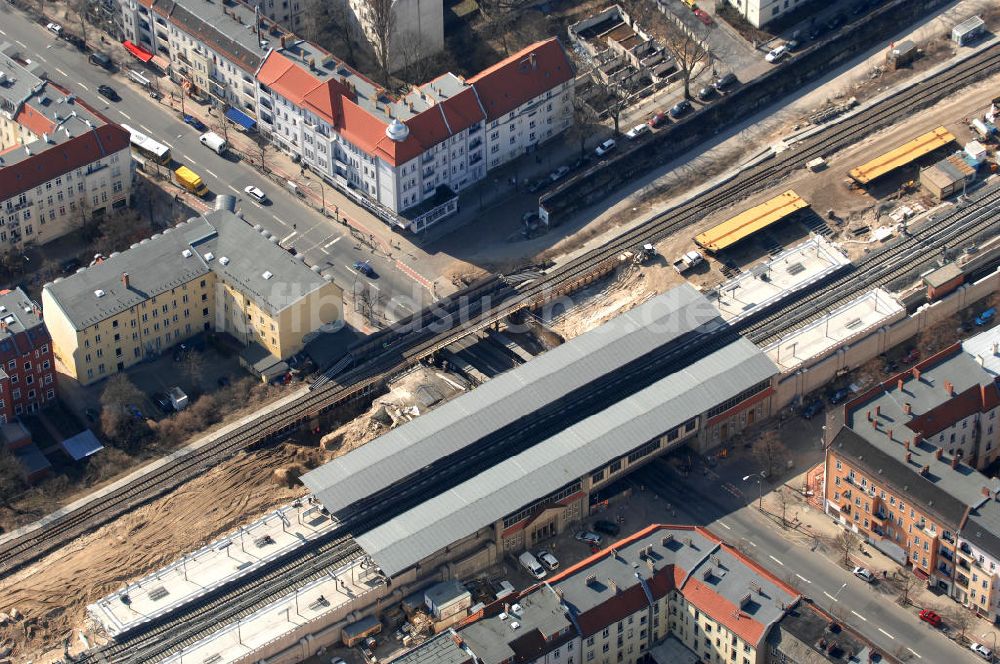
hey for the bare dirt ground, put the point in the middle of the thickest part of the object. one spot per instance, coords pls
(52, 595)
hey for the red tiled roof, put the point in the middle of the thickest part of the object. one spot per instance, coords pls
(286, 77)
(522, 77)
(615, 608)
(957, 408)
(34, 120)
(722, 610)
(74, 153)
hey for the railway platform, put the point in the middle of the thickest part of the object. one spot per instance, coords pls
(220, 562)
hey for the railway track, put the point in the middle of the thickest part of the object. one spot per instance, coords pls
(464, 313)
(151, 643)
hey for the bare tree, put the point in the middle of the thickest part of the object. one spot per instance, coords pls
(690, 54)
(382, 28)
(193, 366)
(905, 583)
(118, 419)
(331, 24)
(785, 499)
(959, 619)
(223, 124)
(770, 453)
(412, 53)
(614, 98)
(584, 119)
(847, 541)
(80, 8)
(499, 16)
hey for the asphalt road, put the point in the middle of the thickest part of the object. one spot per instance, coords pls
(323, 241)
(869, 609)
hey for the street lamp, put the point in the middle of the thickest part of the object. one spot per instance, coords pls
(760, 489)
(322, 193)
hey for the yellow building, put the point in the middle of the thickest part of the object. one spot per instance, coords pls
(211, 273)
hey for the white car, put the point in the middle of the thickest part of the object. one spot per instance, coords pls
(637, 131)
(588, 537)
(548, 560)
(982, 651)
(256, 194)
(54, 28)
(777, 54)
(605, 147)
(559, 173)
(864, 574)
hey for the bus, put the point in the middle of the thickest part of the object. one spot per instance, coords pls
(146, 149)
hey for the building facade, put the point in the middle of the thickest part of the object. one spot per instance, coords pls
(904, 471)
(761, 12)
(61, 162)
(27, 371)
(417, 28)
(214, 273)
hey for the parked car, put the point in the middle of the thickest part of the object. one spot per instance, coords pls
(54, 28)
(607, 527)
(864, 574)
(535, 185)
(108, 92)
(100, 60)
(531, 565)
(985, 317)
(365, 268)
(839, 396)
(836, 22)
(337, 660)
(680, 108)
(588, 537)
(636, 131)
(930, 617)
(547, 559)
(256, 194)
(982, 651)
(811, 409)
(194, 122)
(162, 402)
(706, 93)
(776, 54)
(725, 81)
(74, 40)
(658, 120)
(605, 147)
(559, 173)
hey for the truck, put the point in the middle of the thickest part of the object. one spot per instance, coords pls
(213, 142)
(190, 180)
(688, 261)
(178, 398)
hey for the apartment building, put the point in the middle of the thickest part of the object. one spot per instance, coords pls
(904, 470)
(211, 273)
(211, 48)
(27, 374)
(61, 162)
(288, 13)
(761, 12)
(417, 28)
(410, 155)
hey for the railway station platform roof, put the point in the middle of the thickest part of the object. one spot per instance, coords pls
(767, 283)
(901, 156)
(567, 456)
(750, 221)
(509, 398)
(832, 331)
(210, 567)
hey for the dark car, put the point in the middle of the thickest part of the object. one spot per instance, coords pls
(365, 268)
(100, 59)
(680, 108)
(836, 22)
(74, 40)
(706, 93)
(163, 402)
(839, 396)
(70, 265)
(812, 409)
(108, 91)
(725, 81)
(607, 527)
(536, 185)
(658, 120)
(194, 122)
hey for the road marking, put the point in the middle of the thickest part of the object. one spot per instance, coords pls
(751, 542)
(373, 286)
(280, 221)
(776, 560)
(830, 596)
(125, 115)
(168, 145)
(288, 237)
(859, 616)
(803, 578)
(211, 173)
(723, 524)
(919, 656)
(330, 244)
(145, 128)
(887, 633)
(62, 72)
(21, 43)
(41, 58)
(233, 188)
(3, 33)
(183, 155)
(83, 86)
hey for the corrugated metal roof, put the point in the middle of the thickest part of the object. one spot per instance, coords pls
(509, 397)
(573, 453)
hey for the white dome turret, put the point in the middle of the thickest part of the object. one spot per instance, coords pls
(397, 131)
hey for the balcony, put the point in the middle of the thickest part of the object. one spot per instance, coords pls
(964, 564)
(183, 58)
(475, 144)
(962, 581)
(946, 554)
(948, 537)
(879, 516)
(427, 158)
(944, 569)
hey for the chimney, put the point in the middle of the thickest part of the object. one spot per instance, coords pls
(869, 416)
(938, 452)
(908, 456)
(875, 424)
(878, 411)
(949, 388)
(907, 407)
(125, 280)
(986, 491)
(899, 384)
(954, 461)
(890, 434)
(916, 373)
(612, 585)
(906, 443)
(283, 39)
(925, 470)
(995, 347)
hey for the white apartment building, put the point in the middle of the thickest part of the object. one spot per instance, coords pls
(61, 162)
(407, 157)
(760, 12)
(289, 13)
(418, 28)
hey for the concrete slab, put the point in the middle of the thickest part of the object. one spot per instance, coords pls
(855, 319)
(218, 563)
(765, 284)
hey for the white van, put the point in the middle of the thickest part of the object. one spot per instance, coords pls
(531, 564)
(214, 142)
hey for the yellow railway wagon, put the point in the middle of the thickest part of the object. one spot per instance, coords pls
(904, 154)
(750, 221)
